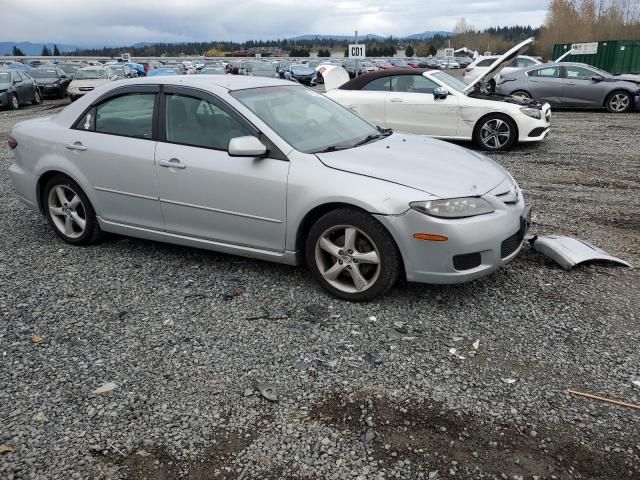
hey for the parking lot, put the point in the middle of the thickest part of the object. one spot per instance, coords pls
(463, 382)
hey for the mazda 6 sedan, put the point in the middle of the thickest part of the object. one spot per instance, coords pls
(270, 170)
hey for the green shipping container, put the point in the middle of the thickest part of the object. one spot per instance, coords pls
(614, 56)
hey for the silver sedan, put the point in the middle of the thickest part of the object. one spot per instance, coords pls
(270, 170)
(573, 85)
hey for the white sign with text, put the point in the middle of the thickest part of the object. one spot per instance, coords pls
(357, 51)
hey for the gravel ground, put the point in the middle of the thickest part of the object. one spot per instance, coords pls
(365, 391)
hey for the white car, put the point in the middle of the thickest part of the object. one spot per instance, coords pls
(436, 104)
(86, 79)
(482, 64)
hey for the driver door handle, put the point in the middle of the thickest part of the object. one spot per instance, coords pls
(76, 146)
(173, 163)
(396, 100)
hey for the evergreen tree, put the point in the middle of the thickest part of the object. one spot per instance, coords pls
(56, 52)
(409, 51)
(17, 52)
(45, 51)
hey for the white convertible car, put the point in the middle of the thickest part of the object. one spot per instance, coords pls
(436, 104)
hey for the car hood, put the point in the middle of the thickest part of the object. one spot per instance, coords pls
(627, 77)
(433, 166)
(497, 66)
(95, 82)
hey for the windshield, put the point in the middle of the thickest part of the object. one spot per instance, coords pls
(306, 120)
(5, 77)
(37, 73)
(118, 71)
(600, 72)
(450, 81)
(301, 69)
(90, 74)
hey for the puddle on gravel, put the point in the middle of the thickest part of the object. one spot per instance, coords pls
(156, 464)
(433, 437)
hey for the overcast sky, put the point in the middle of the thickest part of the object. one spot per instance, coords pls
(120, 22)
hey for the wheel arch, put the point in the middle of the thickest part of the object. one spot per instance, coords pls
(486, 115)
(304, 227)
(613, 92)
(47, 175)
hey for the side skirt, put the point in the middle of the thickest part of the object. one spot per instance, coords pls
(286, 257)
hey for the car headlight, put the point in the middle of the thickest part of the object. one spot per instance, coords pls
(531, 112)
(454, 207)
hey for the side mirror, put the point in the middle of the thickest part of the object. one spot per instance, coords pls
(596, 78)
(440, 93)
(246, 147)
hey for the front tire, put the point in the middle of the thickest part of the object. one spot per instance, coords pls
(495, 132)
(352, 255)
(70, 212)
(619, 102)
(37, 98)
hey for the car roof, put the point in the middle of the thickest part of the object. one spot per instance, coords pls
(361, 80)
(228, 82)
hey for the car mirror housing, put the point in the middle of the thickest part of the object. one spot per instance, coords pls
(596, 78)
(248, 146)
(440, 93)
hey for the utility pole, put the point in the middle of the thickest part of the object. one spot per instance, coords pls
(356, 58)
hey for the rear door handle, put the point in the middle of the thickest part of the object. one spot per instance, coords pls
(396, 100)
(76, 146)
(173, 163)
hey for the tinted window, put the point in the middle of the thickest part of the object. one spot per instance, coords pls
(548, 72)
(382, 84)
(579, 73)
(128, 115)
(23, 77)
(192, 121)
(486, 62)
(412, 84)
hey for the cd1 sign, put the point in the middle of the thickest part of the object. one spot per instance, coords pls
(357, 51)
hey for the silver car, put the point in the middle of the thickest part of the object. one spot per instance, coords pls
(573, 85)
(270, 170)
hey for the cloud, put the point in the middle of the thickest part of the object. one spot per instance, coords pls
(118, 22)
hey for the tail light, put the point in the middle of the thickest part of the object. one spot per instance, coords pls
(468, 69)
(13, 143)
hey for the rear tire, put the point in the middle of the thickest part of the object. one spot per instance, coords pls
(352, 255)
(522, 94)
(619, 102)
(14, 103)
(70, 212)
(495, 132)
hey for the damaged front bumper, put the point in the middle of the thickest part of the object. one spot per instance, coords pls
(569, 252)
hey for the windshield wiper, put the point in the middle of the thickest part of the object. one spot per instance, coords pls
(384, 131)
(367, 139)
(332, 148)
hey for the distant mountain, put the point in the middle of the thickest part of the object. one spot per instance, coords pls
(28, 48)
(372, 36)
(427, 35)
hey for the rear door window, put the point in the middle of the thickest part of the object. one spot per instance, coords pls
(486, 62)
(129, 115)
(546, 72)
(382, 84)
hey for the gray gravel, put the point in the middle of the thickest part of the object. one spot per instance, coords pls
(364, 390)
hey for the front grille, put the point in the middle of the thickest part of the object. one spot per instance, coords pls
(511, 244)
(467, 261)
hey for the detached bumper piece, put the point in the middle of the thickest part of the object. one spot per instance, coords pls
(569, 252)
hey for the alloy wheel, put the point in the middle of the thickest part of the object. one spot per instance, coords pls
(347, 259)
(67, 211)
(495, 133)
(14, 102)
(619, 102)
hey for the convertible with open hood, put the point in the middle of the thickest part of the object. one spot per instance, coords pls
(431, 102)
